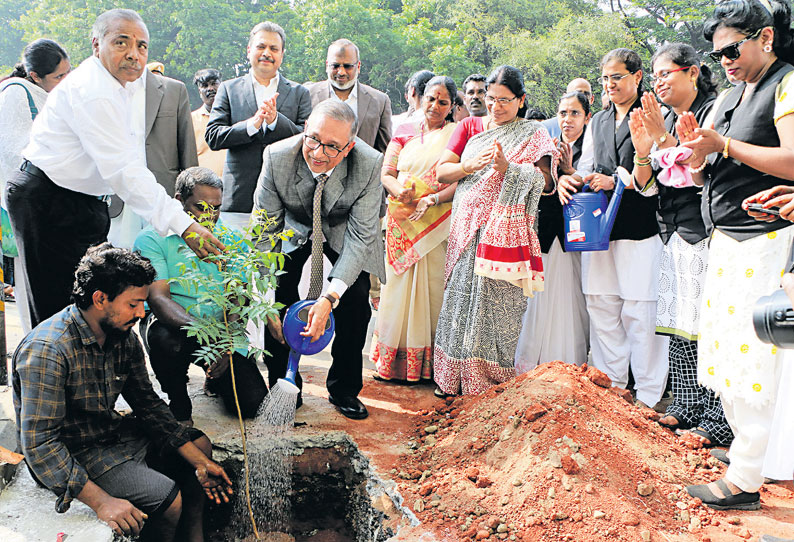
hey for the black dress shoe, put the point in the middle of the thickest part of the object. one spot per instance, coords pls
(299, 401)
(349, 406)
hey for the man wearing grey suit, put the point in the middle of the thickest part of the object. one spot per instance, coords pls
(328, 152)
(371, 107)
(250, 113)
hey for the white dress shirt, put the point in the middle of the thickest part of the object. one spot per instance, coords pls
(262, 93)
(85, 140)
(352, 98)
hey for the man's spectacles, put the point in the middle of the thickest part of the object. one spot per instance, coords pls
(732, 52)
(329, 150)
(615, 78)
(662, 76)
(337, 65)
(501, 101)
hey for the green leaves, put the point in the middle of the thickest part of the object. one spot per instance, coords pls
(226, 304)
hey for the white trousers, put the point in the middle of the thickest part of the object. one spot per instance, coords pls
(236, 221)
(779, 457)
(125, 228)
(623, 335)
(21, 295)
(751, 429)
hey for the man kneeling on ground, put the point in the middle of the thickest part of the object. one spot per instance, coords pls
(171, 351)
(67, 374)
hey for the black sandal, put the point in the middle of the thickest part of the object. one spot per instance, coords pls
(440, 394)
(721, 455)
(740, 501)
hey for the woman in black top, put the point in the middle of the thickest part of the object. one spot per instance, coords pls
(683, 85)
(542, 339)
(751, 143)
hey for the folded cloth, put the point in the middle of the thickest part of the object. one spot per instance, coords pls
(674, 173)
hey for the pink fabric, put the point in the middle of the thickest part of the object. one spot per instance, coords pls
(673, 173)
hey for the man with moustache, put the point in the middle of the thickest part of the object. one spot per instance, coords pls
(83, 148)
(208, 81)
(371, 107)
(145, 469)
(474, 95)
(251, 112)
(325, 186)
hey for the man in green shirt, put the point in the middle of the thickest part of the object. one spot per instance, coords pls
(172, 307)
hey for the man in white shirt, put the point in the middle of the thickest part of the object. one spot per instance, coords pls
(82, 148)
(251, 112)
(371, 107)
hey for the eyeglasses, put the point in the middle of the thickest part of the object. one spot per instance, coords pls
(501, 101)
(616, 78)
(337, 65)
(662, 76)
(732, 52)
(329, 150)
(573, 113)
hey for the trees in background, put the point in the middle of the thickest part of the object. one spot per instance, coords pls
(552, 41)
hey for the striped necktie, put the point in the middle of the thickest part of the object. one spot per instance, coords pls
(316, 278)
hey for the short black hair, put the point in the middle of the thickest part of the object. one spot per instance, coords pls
(628, 58)
(418, 80)
(476, 77)
(187, 180)
(206, 76)
(111, 270)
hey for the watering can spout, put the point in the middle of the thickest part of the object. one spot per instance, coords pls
(295, 321)
(622, 180)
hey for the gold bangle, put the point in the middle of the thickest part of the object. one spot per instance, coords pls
(463, 169)
(725, 150)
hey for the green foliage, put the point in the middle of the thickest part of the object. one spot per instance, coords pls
(247, 273)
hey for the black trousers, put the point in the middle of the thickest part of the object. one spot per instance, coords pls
(352, 319)
(54, 227)
(171, 353)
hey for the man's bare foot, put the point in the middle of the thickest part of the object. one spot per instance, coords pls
(671, 422)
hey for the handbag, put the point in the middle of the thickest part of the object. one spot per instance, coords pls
(9, 240)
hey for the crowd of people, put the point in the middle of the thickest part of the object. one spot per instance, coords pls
(448, 219)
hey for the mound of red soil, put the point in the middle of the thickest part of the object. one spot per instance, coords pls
(555, 455)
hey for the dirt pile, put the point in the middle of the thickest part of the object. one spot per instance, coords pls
(555, 455)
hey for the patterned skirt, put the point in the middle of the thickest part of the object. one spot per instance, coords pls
(477, 330)
(402, 346)
(681, 281)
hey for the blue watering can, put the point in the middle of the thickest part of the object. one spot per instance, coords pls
(295, 321)
(588, 219)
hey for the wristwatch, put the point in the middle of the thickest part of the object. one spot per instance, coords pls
(333, 299)
(662, 139)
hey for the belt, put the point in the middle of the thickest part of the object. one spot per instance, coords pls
(28, 166)
(33, 170)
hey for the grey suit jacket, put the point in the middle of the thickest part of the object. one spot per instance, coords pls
(170, 142)
(374, 112)
(234, 104)
(351, 201)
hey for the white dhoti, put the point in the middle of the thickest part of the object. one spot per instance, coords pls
(555, 324)
(621, 287)
(779, 458)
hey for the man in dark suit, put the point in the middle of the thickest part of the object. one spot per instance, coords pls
(250, 113)
(167, 130)
(371, 107)
(329, 162)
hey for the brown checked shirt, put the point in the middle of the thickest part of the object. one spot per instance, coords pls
(65, 391)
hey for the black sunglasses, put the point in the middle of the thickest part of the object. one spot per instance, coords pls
(732, 52)
(337, 65)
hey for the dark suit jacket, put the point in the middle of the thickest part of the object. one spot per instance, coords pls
(234, 104)
(350, 203)
(374, 112)
(170, 143)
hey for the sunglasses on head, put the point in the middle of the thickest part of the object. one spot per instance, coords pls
(732, 52)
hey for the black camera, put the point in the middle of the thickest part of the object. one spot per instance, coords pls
(773, 319)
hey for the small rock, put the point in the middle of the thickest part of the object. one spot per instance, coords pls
(694, 524)
(681, 505)
(483, 481)
(430, 429)
(743, 533)
(430, 440)
(518, 483)
(589, 489)
(533, 412)
(599, 514)
(419, 505)
(493, 522)
(426, 489)
(644, 489)
(502, 528)
(552, 493)
(734, 520)
(482, 534)
(646, 536)
(567, 485)
(505, 501)
(630, 519)
(559, 516)
(554, 460)
(577, 516)
(598, 377)
(685, 516)
(472, 473)
(569, 465)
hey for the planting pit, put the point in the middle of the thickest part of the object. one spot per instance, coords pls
(334, 495)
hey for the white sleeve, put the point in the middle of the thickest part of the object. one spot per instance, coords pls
(100, 126)
(15, 123)
(586, 160)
